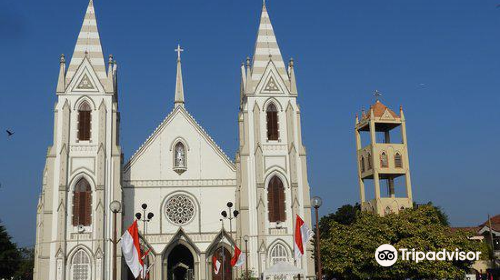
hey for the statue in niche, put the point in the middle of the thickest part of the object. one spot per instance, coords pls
(180, 155)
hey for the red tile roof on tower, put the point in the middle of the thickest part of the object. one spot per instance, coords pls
(379, 110)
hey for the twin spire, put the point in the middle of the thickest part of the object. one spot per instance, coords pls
(266, 49)
(88, 45)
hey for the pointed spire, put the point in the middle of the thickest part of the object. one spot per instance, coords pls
(266, 48)
(243, 81)
(88, 45)
(179, 85)
(61, 81)
(110, 75)
(293, 82)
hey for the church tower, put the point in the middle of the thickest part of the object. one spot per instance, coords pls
(271, 160)
(383, 160)
(83, 166)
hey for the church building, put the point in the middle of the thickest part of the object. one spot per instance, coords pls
(179, 173)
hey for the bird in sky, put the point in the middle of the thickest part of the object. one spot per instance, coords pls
(9, 133)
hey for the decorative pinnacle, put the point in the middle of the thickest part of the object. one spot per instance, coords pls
(291, 62)
(248, 61)
(110, 60)
(377, 94)
(62, 59)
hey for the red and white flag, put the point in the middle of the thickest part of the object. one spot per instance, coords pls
(131, 250)
(238, 258)
(302, 235)
(216, 264)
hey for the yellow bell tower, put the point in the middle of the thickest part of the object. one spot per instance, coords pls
(382, 160)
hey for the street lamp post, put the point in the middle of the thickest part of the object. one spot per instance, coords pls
(316, 203)
(146, 219)
(232, 215)
(115, 207)
(246, 256)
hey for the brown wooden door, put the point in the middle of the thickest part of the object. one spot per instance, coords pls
(225, 265)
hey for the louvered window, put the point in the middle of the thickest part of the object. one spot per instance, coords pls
(82, 204)
(84, 121)
(384, 163)
(272, 122)
(398, 160)
(276, 200)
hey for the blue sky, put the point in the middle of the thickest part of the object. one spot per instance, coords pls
(439, 59)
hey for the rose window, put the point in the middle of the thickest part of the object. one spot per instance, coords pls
(179, 209)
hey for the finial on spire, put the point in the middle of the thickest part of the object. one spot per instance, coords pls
(179, 85)
(62, 59)
(291, 62)
(110, 59)
(179, 50)
(377, 94)
(248, 61)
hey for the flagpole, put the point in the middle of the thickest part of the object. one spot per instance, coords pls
(222, 248)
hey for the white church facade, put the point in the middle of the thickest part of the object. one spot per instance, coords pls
(182, 175)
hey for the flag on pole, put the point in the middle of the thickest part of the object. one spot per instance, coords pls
(216, 263)
(131, 249)
(302, 235)
(238, 258)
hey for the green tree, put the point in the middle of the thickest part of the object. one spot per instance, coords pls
(26, 263)
(443, 217)
(345, 215)
(9, 255)
(348, 251)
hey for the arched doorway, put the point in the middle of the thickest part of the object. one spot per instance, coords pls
(180, 264)
(224, 258)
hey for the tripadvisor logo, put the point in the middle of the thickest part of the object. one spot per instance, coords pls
(386, 255)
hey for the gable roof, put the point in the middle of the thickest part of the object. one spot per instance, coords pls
(495, 223)
(168, 118)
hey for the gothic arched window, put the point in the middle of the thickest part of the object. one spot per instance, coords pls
(398, 160)
(279, 253)
(84, 121)
(82, 203)
(276, 200)
(383, 160)
(180, 156)
(272, 122)
(80, 266)
(362, 164)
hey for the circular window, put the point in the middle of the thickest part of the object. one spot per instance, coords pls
(179, 209)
